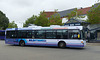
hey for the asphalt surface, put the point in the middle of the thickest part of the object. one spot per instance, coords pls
(11, 52)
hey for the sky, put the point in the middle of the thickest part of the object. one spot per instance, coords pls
(20, 10)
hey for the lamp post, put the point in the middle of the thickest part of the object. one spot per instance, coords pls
(76, 13)
(20, 24)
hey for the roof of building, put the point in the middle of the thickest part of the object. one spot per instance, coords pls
(75, 21)
(62, 13)
(48, 14)
(84, 11)
(96, 5)
(94, 27)
(65, 12)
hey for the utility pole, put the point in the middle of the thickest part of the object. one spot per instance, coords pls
(76, 13)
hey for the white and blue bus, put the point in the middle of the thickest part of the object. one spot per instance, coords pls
(60, 36)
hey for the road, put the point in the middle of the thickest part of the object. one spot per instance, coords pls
(11, 52)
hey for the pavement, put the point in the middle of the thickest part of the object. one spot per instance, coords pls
(12, 52)
(93, 44)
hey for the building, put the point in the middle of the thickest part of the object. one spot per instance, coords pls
(49, 14)
(94, 31)
(64, 14)
(84, 12)
(76, 22)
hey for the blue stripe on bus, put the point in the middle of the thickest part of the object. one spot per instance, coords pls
(37, 40)
(22, 39)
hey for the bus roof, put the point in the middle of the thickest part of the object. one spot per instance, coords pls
(44, 28)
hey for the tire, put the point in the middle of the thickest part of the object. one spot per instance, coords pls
(22, 43)
(62, 44)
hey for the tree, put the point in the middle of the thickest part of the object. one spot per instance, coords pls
(12, 25)
(42, 20)
(4, 21)
(75, 14)
(30, 20)
(55, 19)
(94, 15)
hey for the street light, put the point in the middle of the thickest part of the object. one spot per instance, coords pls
(20, 24)
(76, 13)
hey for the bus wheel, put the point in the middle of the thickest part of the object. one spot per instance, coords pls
(62, 44)
(22, 43)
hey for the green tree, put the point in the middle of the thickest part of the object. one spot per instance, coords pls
(42, 20)
(75, 14)
(55, 19)
(30, 20)
(4, 21)
(12, 25)
(94, 15)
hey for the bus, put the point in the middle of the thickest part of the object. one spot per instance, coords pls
(58, 36)
(2, 34)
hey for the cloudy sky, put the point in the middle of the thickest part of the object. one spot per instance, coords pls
(20, 10)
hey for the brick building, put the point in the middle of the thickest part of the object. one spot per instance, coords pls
(64, 14)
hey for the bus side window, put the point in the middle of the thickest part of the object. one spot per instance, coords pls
(29, 34)
(33, 34)
(40, 34)
(59, 34)
(65, 34)
(74, 34)
(51, 34)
